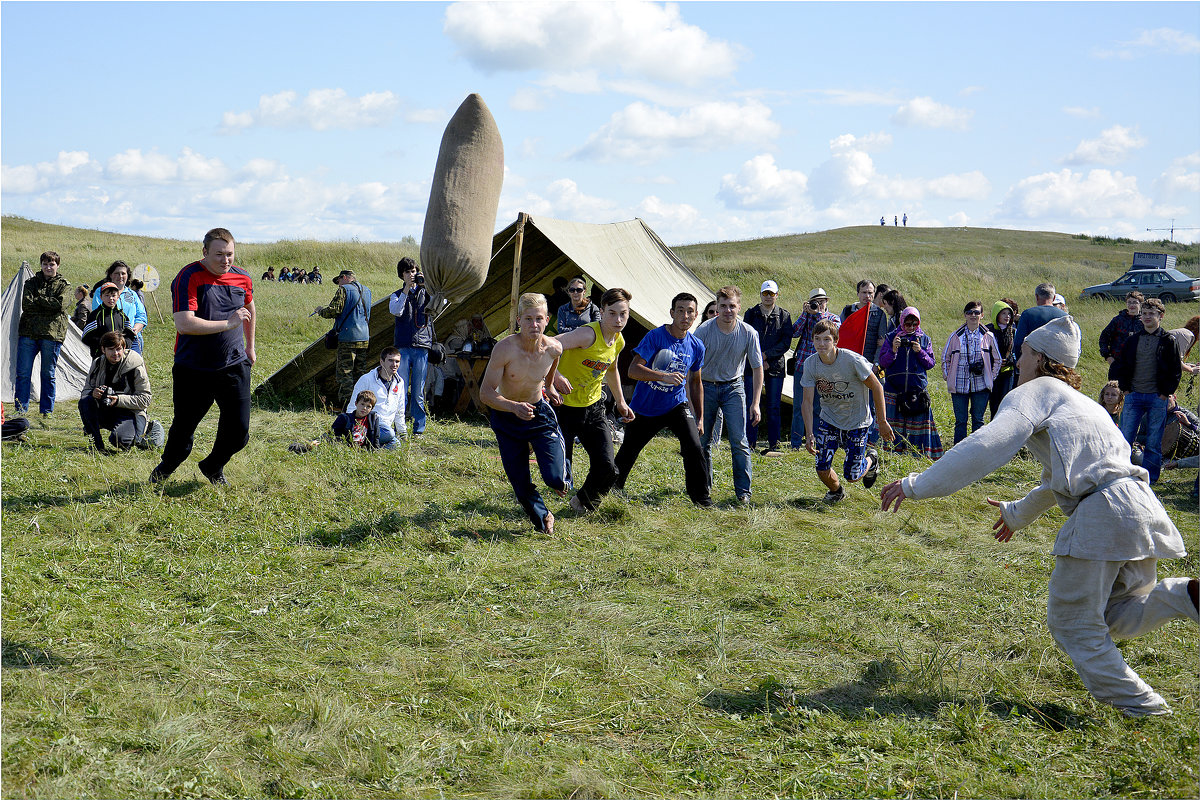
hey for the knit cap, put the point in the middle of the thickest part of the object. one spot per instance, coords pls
(1058, 340)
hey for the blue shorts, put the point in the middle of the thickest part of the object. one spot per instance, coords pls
(829, 439)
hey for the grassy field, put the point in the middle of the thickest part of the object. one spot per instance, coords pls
(344, 624)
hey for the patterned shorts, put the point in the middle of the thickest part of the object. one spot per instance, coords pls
(829, 439)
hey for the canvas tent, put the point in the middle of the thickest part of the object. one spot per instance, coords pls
(625, 254)
(73, 360)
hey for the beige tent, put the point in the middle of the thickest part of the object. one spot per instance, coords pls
(625, 254)
(74, 359)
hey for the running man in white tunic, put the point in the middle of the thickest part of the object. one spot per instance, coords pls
(1104, 582)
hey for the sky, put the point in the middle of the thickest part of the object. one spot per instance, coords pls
(711, 121)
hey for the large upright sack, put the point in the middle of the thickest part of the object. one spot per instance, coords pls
(456, 244)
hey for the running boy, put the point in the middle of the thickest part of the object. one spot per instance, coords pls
(521, 370)
(843, 379)
(590, 359)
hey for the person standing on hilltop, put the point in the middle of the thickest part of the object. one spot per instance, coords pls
(212, 301)
(1105, 584)
(350, 309)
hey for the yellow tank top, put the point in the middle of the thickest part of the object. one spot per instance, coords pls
(585, 368)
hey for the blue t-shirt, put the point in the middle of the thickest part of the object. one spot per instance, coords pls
(1031, 320)
(664, 352)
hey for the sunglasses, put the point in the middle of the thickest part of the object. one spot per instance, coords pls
(575, 289)
(974, 313)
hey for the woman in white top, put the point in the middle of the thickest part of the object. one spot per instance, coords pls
(1104, 583)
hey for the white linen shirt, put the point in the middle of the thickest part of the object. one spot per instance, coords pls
(389, 399)
(1113, 513)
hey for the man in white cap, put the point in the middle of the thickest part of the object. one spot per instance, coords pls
(802, 330)
(1060, 303)
(1104, 583)
(773, 323)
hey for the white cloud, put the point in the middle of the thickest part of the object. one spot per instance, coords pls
(761, 184)
(646, 39)
(1111, 147)
(1080, 111)
(669, 216)
(528, 98)
(967, 91)
(425, 116)
(1100, 194)
(319, 110)
(1181, 180)
(871, 143)
(1157, 40)
(70, 166)
(640, 132)
(925, 112)
(959, 219)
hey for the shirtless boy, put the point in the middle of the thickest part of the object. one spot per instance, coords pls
(521, 369)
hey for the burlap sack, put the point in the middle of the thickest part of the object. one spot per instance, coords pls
(456, 244)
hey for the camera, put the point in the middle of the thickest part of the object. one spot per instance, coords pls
(107, 394)
(420, 279)
(908, 339)
(814, 305)
(976, 368)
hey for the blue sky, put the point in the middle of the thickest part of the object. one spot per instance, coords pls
(711, 121)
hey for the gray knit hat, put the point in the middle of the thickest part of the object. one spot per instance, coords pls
(1058, 340)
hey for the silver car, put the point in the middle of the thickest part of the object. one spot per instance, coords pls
(1166, 284)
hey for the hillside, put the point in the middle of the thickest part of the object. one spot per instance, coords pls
(343, 624)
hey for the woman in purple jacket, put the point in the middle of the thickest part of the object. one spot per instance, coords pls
(905, 357)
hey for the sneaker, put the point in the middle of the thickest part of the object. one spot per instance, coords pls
(873, 465)
(744, 500)
(157, 476)
(217, 478)
(576, 506)
(707, 503)
(834, 496)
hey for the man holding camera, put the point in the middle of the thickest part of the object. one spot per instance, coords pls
(813, 313)
(115, 395)
(970, 363)
(413, 336)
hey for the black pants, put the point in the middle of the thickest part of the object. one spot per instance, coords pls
(126, 425)
(193, 394)
(681, 423)
(591, 426)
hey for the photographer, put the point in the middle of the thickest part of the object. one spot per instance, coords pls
(905, 358)
(802, 330)
(970, 363)
(413, 336)
(115, 395)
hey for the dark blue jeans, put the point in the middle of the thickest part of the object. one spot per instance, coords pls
(769, 405)
(27, 349)
(976, 402)
(1155, 409)
(514, 437)
(413, 364)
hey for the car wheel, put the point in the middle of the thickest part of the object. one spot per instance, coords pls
(1099, 296)
(1168, 297)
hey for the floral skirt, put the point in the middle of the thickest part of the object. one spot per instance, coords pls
(917, 434)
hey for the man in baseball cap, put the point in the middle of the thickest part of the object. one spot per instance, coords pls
(774, 325)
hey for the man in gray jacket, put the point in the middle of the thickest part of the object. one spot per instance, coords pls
(116, 395)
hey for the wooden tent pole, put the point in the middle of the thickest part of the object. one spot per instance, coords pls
(522, 217)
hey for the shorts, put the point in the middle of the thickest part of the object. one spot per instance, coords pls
(829, 439)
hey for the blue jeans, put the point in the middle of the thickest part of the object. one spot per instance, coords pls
(731, 399)
(27, 350)
(413, 363)
(1137, 406)
(514, 438)
(138, 345)
(977, 401)
(387, 439)
(797, 440)
(769, 404)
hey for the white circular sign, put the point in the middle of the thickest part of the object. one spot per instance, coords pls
(147, 275)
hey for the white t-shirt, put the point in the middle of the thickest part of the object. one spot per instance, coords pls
(846, 401)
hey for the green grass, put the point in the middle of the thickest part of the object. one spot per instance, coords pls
(343, 624)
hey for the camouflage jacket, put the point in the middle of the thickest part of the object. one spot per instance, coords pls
(46, 304)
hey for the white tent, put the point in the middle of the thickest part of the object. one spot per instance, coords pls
(73, 360)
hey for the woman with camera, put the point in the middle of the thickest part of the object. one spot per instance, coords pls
(970, 363)
(906, 356)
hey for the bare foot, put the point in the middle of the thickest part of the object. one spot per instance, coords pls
(548, 523)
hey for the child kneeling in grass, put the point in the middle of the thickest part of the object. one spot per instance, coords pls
(844, 379)
(359, 429)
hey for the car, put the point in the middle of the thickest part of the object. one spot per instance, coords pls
(1166, 284)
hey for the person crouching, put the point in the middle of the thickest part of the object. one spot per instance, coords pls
(359, 428)
(115, 395)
